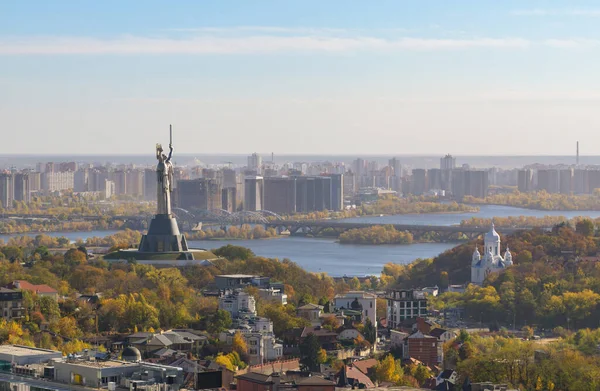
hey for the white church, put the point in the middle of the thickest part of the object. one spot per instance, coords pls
(492, 261)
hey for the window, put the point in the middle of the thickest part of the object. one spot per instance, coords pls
(367, 313)
(371, 304)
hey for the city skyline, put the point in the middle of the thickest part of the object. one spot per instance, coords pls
(312, 77)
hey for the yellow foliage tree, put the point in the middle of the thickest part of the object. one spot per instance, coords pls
(388, 370)
(239, 344)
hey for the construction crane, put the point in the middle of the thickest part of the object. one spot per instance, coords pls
(230, 163)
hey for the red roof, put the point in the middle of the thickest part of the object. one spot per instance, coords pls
(42, 288)
(354, 373)
(364, 365)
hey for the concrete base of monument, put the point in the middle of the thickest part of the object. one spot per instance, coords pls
(166, 258)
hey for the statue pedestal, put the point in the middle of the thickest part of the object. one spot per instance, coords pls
(163, 236)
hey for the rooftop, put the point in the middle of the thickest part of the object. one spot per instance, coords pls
(236, 276)
(311, 306)
(360, 294)
(42, 288)
(100, 364)
(18, 350)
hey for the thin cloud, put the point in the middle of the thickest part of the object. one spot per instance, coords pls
(593, 12)
(258, 44)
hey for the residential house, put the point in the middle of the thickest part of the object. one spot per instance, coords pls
(263, 348)
(359, 300)
(366, 366)
(350, 376)
(152, 344)
(253, 381)
(40, 290)
(350, 333)
(443, 335)
(315, 383)
(11, 304)
(397, 337)
(311, 312)
(327, 339)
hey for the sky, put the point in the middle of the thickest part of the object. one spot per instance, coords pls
(480, 77)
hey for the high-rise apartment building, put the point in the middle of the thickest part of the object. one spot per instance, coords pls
(581, 181)
(280, 195)
(337, 191)
(549, 180)
(21, 190)
(448, 162)
(119, 177)
(419, 181)
(201, 193)
(150, 184)
(566, 181)
(253, 193)
(478, 183)
(525, 181)
(229, 199)
(57, 181)
(255, 162)
(135, 183)
(6, 190)
(81, 180)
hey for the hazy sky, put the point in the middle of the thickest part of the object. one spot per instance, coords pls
(306, 76)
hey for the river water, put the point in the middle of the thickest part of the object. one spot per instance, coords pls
(326, 255)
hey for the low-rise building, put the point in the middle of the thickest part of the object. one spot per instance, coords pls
(361, 301)
(273, 295)
(25, 355)
(311, 312)
(424, 348)
(405, 304)
(11, 304)
(40, 290)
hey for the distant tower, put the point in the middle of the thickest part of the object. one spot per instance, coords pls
(577, 160)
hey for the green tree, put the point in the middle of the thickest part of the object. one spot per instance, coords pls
(585, 227)
(310, 352)
(232, 252)
(221, 320)
(370, 332)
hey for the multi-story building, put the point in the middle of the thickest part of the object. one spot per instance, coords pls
(425, 348)
(280, 194)
(581, 181)
(566, 181)
(405, 304)
(21, 187)
(57, 181)
(548, 180)
(6, 190)
(253, 193)
(238, 303)
(135, 183)
(419, 181)
(477, 183)
(337, 192)
(150, 184)
(119, 177)
(201, 193)
(229, 199)
(525, 181)
(367, 301)
(11, 304)
(255, 162)
(81, 180)
(448, 163)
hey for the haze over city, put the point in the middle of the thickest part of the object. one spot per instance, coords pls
(311, 77)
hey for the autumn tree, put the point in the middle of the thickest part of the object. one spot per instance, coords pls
(389, 370)
(239, 344)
